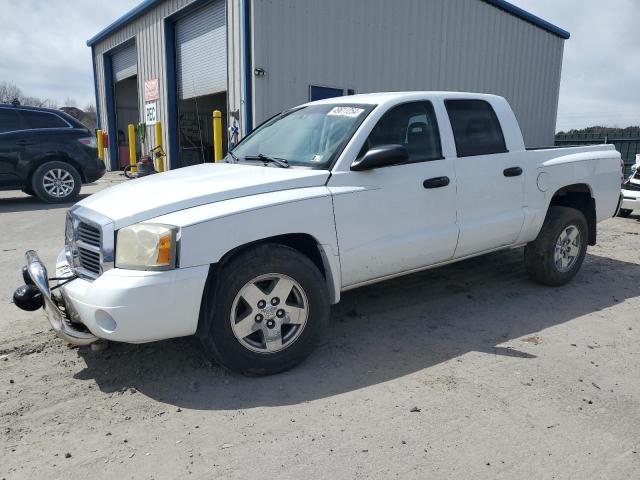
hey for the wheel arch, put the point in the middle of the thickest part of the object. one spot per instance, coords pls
(304, 243)
(54, 157)
(580, 197)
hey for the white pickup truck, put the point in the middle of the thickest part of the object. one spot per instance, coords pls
(249, 254)
(631, 191)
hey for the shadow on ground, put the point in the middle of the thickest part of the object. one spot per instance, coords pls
(378, 333)
(29, 204)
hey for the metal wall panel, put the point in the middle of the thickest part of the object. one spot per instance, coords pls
(387, 45)
(201, 52)
(148, 32)
(125, 62)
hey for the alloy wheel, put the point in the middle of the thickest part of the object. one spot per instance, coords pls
(269, 313)
(567, 249)
(58, 183)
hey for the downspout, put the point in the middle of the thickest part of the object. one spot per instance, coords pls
(111, 114)
(172, 98)
(95, 86)
(247, 125)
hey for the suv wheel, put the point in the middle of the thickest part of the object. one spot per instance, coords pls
(265, 312)
(556, 255)
(624, 212)
(56, 182)
(28, 190)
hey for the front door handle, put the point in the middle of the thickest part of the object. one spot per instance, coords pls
(436, 182)
(512, 172)
(24, 142)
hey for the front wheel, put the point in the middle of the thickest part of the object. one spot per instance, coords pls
(266, 311)
(56, 182)
(556, 255)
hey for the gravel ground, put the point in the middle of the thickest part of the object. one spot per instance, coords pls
(468, 371)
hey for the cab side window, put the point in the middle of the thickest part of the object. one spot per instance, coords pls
(9, 121)
(42, 120)
(412, 125)
(476, 128)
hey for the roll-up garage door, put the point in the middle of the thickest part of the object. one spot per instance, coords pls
(201, 51)
(124, 62)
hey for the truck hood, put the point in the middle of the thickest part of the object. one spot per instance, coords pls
(137, 200)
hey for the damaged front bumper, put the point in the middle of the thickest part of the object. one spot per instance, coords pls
(54, 305)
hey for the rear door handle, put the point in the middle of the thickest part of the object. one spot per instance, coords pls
(512, 172)
(436, 182)
(24, 142)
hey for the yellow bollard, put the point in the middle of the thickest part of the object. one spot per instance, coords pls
(160, 159)
(100, 144)
(132, 147)
(217, 135)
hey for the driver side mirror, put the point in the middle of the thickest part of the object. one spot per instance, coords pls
(381, 156)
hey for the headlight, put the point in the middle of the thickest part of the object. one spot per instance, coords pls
(146, 246)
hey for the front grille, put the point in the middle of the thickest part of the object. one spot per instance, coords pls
(89, 238)
(89, 260)
(88, 234)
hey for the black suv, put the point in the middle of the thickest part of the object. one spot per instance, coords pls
(46, 153)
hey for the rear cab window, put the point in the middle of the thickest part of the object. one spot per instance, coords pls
(412, 125)
(9, 120)
(476, 128)
(33, 120)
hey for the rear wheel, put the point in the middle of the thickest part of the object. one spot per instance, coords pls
(56, 182)
(624, 212)
(266, 312)
(556, 255)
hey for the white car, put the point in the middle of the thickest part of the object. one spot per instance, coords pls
(631, 193)
(249, 254)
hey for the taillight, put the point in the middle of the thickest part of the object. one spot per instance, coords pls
(89, 141)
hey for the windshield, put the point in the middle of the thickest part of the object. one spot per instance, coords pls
(310, 136)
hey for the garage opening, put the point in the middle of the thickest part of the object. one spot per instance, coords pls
(201, 70)
(125, 81)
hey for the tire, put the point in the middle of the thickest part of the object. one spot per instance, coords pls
(45, 187)
(243, 294)
(624, 212)
(128, 173)
(540, 255)
(29, 191)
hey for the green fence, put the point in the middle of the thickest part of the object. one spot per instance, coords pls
(627, 146)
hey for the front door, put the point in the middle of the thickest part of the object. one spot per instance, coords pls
(490, 179)
(398, 218)
(12, 146)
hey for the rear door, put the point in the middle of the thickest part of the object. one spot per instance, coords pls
(49, 134)
(398, 218)
(490, 179)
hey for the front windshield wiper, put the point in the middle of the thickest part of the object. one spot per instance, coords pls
(281, 162)
(233, 157)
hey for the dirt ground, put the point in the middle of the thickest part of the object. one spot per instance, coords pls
(468, 371)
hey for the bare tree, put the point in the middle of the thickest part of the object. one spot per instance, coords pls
(69, 102)
(9, 92)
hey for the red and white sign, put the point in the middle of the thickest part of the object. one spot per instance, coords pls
(151, 90)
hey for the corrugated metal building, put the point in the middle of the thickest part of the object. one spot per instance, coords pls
(254, 58)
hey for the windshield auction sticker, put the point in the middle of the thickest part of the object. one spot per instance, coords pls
(345, 111)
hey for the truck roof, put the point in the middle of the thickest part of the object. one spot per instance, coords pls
(380, 98)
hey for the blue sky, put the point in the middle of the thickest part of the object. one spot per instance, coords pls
(45, 54)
